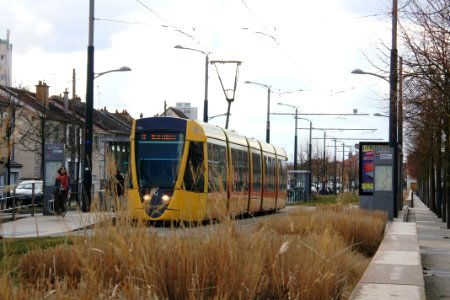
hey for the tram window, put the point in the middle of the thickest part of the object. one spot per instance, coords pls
(245, 171)
(256, 158)
(240, 170)
(223, 163)
(282, 175)
(158, 161)
(194, 175)
(217, 171)
(273, 170)
(269, 174)
(234, 162)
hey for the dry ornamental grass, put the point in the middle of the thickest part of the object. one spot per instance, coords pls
(308, 254)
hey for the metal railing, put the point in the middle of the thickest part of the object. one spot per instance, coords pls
(8, 204)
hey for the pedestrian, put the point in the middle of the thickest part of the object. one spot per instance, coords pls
(61, 191)
(120, 181)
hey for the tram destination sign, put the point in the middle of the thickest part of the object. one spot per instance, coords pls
(160, 136)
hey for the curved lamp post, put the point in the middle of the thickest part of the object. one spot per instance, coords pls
(220, 115)
(205, 103)
(295, 139)
(268, 87)
(393, 111)
(121, 69)
(309, 153)
(88, 133)
(361, 72)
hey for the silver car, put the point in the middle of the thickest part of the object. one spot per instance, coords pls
(24, 192)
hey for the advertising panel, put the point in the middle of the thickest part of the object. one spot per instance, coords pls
(366, 170)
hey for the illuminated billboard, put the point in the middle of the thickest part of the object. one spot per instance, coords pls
(366, 166)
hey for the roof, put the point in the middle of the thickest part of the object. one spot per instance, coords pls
(173, 112)
(118, 122)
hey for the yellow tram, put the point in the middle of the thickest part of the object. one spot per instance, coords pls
(186, 170)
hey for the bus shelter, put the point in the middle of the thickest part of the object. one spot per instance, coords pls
(299, 186)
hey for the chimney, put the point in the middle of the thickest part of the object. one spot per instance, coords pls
(66, 101)
(42, 93)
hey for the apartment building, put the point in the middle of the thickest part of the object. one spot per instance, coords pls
(5, 61)
(31, 120)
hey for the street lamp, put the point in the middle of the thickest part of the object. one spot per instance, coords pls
(268, 87)
(393, 120)
(295, 139)
(122, 69)
(87, 175)
(393, 108)
(220, 115)
(361, 72)
(88, 133)
(309, 154)
(205, 103)
(88, 129)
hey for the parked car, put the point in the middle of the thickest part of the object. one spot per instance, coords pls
(326, 191)
(24, 192)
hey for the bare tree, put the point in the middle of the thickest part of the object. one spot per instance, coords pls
(425, 32)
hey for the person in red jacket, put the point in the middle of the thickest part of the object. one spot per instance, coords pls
(61, 191)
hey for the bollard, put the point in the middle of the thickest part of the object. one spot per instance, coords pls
(14, 207)
(32, 199)
(412, 199)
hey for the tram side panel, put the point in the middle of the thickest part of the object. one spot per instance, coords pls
(216, 204)
(239, 184)
(281, 178)
(269, 176)
(269, 182)
(256, 172)
(191, 197)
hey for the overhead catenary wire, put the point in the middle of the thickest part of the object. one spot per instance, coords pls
(170, 24)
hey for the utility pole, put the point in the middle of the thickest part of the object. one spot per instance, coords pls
(73, 144)
(393, 111)
(88, 134)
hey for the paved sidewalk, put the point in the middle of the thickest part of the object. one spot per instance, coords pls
(395, 271)
(434, 242)
(41, 226)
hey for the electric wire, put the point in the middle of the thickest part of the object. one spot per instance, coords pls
(175, 28)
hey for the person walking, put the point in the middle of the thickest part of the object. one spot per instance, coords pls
(120, 181)
(119, 190)
(61, 191)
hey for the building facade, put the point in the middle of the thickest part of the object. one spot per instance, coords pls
(187, 109)
(5, 61)
(29, 122)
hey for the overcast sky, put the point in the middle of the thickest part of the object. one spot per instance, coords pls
(287, 44)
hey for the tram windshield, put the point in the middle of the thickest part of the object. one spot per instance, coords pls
(158, 156)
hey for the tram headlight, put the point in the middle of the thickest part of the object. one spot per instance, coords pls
(165, 199)
(146, 201)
